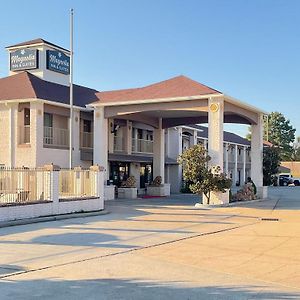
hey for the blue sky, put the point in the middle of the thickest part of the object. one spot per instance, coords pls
(247, 49)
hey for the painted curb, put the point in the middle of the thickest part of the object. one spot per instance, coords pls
(237, 203)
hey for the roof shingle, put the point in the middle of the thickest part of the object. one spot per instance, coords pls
(36, 41)
(25, 85)
(180, 86)
(228, 136)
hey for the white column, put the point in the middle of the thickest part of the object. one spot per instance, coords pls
(76, 137)
(193, 139)
(100, 154)
(215, 131)
(37, 134)
(226, 159)
(174, 148)
(257, 155)
(159, 152)
(167, 143)
(244, 164)
(205, 144)
(135, 141)
(128, 137)
(235, 164)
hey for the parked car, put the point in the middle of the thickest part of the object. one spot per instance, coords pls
(285, 180)
(296, 181)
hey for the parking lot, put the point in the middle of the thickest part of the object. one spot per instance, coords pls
(159, 249)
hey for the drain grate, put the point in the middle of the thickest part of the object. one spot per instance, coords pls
(270, 219)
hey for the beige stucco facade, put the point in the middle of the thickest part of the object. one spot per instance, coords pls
(140, 134)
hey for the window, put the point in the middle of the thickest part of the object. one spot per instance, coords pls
(26, 116)
(149, 135)
(25, 132)
(140, 134)
(87, 126)
(48, 129)
(48, 120)
(239, 149)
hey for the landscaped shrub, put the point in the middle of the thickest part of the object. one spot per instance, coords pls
(203, 179)
(129, 183)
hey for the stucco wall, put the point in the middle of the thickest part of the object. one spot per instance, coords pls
(4, 135)
(175, 178)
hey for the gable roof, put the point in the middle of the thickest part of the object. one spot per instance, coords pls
(36, 41)
(25, 85)
(180, 86)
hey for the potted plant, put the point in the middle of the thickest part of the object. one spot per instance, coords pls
(128, 188)
(157, 188)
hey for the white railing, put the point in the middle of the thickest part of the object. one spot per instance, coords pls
(56, 137)
(77, 184)
(119, 143)
(24, 134)
(31, 193)
(86, 140)
(19, 186)
(142, 146)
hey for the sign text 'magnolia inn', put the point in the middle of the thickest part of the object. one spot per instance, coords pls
(57, 61)
(24, 59)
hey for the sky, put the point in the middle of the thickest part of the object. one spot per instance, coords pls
(246, 49)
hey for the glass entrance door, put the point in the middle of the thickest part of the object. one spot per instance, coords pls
(119, 171)
(145, 174)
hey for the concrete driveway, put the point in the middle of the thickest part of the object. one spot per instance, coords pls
(159, 249)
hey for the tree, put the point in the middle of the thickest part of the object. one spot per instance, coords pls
(203, 179)
(279, 131)
(295, 155)
(281, 134)
(271, 162)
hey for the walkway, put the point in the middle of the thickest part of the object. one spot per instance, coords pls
(158, 249)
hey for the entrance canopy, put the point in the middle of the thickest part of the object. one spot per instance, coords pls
(177, 101)
(174, 102)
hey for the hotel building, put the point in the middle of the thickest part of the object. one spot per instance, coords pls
(139, 131)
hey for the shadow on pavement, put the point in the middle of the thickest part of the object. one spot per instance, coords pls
(131, 289)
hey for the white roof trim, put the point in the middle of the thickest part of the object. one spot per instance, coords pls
(46, 102)
(175, 99)
(157, 100)
(244, 105)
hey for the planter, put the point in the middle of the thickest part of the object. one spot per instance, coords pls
(127, 193)
(262, 192)
(217, 198)
(109, 192)
(162, 190)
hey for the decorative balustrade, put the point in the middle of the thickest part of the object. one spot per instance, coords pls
(56, 137)
(142, 146)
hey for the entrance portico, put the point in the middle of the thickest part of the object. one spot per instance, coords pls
(175, 102)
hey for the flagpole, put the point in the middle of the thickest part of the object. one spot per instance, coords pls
(71, 89)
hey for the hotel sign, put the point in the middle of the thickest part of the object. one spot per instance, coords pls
(24, 59)
(57, 61)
